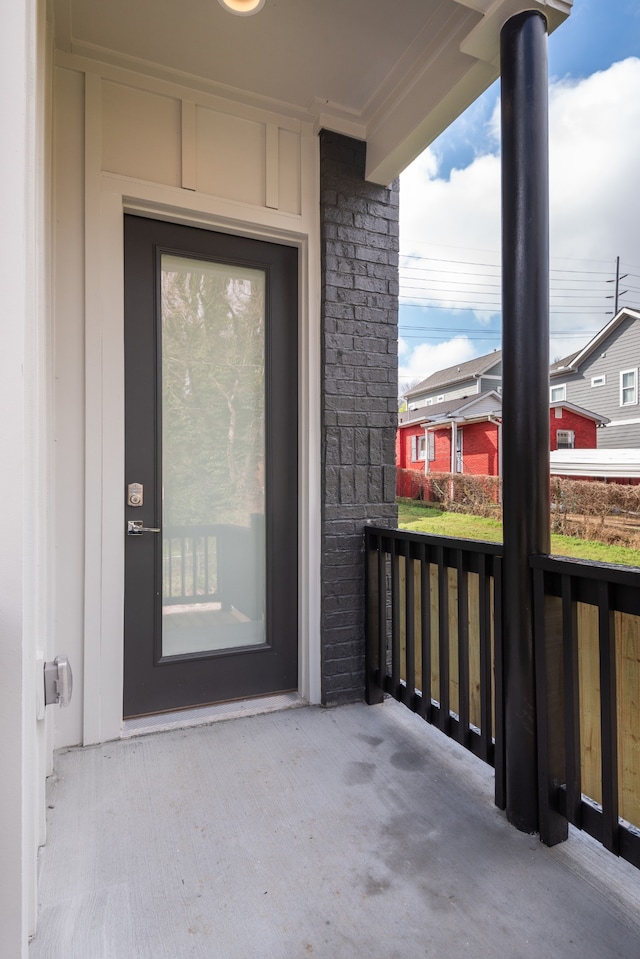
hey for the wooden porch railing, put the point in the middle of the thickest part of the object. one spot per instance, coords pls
(433, 624)
(434, 643)
(587, 634)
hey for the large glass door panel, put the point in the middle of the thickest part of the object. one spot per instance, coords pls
(213, 456)
(211, 431)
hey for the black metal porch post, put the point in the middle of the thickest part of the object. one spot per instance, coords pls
(525, 305)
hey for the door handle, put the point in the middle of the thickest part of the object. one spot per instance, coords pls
(135, 528)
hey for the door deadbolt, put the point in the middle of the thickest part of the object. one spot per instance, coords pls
(135, 494)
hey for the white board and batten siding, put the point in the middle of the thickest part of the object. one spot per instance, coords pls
(131, 143)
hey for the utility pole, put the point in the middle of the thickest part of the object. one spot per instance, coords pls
(617, 293)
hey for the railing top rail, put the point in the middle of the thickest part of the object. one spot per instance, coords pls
(429, 539)
(586, 569)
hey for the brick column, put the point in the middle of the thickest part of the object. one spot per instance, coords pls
(359, 242)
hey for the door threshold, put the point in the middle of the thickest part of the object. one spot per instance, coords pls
(204, 715)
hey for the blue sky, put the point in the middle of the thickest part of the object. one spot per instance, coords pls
(450, 220)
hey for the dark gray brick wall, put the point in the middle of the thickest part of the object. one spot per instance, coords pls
(359, 239)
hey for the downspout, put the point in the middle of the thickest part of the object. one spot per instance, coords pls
(452, 485)
(525, 407)
(498, 424)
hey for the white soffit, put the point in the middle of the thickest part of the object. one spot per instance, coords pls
(393, 72)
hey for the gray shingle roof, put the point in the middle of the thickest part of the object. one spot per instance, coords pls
(457, 373)
(563, 363)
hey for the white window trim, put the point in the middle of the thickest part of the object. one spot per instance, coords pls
(570, 443)
(421, 449)
(623, 373)
(599, 380)
(558, 399)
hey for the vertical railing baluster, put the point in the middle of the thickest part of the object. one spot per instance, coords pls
(463, 649)
(410, 619)
(382, 614)
(443, 640)
(425, 631)
(485, 659)
(395, 620)
(374, 672)
(548, 646)
(608, 719)
(571, 701)
(498, 660)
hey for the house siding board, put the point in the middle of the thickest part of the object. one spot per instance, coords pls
(359, 314)
(467, 388)
(619, 437)
(619, 351)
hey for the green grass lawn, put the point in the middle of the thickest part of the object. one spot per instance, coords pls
(425, 518)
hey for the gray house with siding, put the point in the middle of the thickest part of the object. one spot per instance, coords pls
(479, 375)
(603, 376)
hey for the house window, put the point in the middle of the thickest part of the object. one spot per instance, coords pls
(440, 399)
(418, 448)
(628, 387)
(431, 446)
(558, 393)
(565, 439)
(599, 380)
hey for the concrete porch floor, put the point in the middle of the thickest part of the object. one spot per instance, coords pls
(356, 831)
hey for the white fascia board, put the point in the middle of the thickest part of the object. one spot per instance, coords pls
(412, 117)
(483, 42)
(404, 130)
(580, 410)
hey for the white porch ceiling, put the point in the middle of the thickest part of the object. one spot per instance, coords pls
(393, 72)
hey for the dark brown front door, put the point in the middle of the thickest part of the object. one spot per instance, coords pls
(211, 467)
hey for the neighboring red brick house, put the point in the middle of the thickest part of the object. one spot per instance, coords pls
(465, 435)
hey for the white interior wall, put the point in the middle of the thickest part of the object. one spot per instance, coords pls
(25, 479)
(131, 143)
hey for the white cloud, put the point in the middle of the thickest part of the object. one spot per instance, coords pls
(594, 199)
(426, 358)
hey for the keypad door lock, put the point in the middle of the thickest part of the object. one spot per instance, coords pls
(135, 494)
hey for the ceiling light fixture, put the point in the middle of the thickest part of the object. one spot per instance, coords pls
(242, 8)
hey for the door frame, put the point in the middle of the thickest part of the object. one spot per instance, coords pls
(155, 682)
(103, 672)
